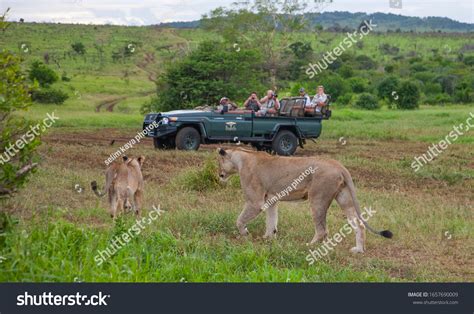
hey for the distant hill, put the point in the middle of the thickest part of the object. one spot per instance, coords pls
(385, 21)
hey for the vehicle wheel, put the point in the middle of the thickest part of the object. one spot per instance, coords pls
(188, 138)
(285, 143)
(164, 143)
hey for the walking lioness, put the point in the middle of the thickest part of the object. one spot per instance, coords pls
(267, 179)
(124, 185)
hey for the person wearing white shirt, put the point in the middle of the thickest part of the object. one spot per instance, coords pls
(319, 100)
(307, 100)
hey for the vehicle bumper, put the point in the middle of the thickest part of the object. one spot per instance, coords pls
(162, 130)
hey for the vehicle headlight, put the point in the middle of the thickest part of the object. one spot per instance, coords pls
(165, 120)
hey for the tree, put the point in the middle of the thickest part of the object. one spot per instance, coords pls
(212, 71)
(409, 96)
(17, 159)
(262, 22)
(41, 73)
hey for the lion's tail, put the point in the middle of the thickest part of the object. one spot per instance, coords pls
(350, 184)
(95, 188)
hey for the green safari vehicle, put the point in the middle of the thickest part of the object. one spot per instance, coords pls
(281, 133)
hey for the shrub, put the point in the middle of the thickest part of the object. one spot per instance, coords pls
(438, 99)
(79, 48)
(43, 74)
(463, 93)
(409, 96)
(346, 71)
(49, 96)
(364, 62)
(65, 78)
(389, 68)
(469, 60)
(345, 99)
(358, 85)
(367, 101)
(387, 87)
(433, 88)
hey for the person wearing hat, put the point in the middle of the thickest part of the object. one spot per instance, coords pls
(307, 100)
(225, 105)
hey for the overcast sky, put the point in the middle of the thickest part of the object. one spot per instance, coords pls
(146, 12)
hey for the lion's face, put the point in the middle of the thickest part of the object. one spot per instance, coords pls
(226, 166)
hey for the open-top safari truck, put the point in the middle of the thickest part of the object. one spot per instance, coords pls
(281, 133)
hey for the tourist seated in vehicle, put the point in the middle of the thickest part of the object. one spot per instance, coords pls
(269, 104)
(225, 105)
(307, 99)
(252, 103)
(318, 102)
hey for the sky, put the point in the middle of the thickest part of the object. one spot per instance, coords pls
(147, 12)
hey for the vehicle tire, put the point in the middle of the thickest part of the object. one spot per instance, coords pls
(164, 143)
(285, 143)
(188, 138)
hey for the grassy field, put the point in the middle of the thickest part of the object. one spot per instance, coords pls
(56, 231)
(56, 226)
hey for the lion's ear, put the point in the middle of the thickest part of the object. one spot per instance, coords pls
(141, 160)
(221, 151)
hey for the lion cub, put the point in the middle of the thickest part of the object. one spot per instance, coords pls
(124, 185)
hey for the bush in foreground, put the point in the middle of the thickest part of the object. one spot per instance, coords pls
(49, 96)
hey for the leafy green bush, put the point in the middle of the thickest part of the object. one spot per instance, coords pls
(388, 87)
(42, 74)
(364, 62)
(367, 101)
(346, 71)
(463, 92)
(358, 85)
(79, 48)
(345, 99)
(409, 95)
(438, 99)
(49, 96)
(469, 60)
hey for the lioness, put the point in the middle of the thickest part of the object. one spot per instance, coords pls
(267, 179)
(124, 185)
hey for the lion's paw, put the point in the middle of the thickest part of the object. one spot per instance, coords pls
(355, 249)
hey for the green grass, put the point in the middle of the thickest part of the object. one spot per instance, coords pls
(54, 233)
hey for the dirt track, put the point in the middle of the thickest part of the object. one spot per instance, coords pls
(376, 152)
